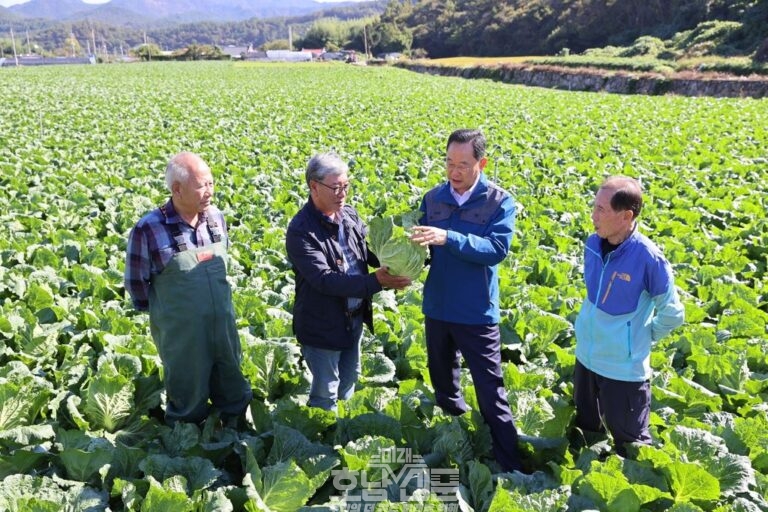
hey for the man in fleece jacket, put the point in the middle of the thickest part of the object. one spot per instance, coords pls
(631, 303)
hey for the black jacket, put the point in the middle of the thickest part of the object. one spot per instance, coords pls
(320, 314)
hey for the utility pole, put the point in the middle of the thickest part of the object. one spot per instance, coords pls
(290, 38)
(93, 38)
(29, 46)
(13, 41)
(146, 47)
(365, 41)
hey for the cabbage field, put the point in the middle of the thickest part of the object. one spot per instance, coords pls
(82, 158)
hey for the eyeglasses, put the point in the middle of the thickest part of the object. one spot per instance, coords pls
(459, 168)
(337, 189)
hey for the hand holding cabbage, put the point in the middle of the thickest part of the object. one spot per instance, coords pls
(391, 244)
(428, 235)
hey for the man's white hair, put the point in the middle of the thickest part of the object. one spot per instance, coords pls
(178, 168)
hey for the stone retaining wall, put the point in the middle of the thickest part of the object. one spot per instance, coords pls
(595, 80)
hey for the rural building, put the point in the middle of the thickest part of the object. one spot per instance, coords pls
(37, 60)
(315, 52)
(236, 52)
(342, 55)
(288, 56)
(277, 56)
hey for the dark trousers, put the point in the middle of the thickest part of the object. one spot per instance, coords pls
(624, 407)
(481, 347)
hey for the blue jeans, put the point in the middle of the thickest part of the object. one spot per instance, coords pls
(334, 372)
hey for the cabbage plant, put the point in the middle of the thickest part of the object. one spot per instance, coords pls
(392, 245)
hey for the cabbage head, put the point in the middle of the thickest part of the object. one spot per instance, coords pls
(392, 246)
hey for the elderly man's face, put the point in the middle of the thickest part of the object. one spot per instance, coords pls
(613, 225)
(462, 168)
(330, 194)
(195, 194)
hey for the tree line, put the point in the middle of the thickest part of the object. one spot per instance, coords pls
(58, 38)
(545, 27)
(444, 28)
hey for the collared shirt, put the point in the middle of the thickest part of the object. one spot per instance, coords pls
(322, 287)
(478, 236)
(353, 269)
(462, 198)
(151, 246)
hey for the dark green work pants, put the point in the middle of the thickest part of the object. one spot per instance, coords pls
(193, 325)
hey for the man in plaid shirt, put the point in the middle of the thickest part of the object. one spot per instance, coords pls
(176, 269)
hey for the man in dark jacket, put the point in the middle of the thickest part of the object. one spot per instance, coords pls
(327, 249)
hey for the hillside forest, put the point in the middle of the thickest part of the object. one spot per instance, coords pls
(437, 28)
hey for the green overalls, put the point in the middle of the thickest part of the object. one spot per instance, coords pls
(192, 321)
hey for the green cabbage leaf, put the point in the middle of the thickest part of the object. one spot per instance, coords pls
(389, 241)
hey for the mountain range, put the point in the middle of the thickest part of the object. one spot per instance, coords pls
(134, 12)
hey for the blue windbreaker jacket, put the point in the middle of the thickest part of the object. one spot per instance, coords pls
(631, 303)
(463, 281)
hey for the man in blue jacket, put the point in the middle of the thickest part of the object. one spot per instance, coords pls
(468, 224)
(330, 258)
(631, 303)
